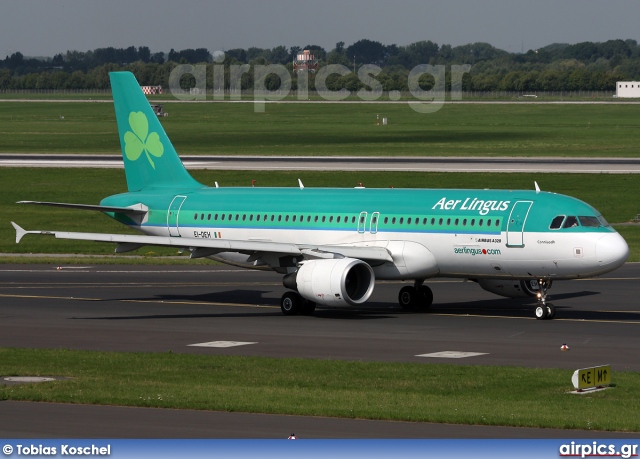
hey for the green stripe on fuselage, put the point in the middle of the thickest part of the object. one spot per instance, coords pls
(446, 204)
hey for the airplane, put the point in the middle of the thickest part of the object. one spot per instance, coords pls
(331, 245)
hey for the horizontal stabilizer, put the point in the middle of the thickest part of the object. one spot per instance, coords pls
(138, 209)
(20, 232)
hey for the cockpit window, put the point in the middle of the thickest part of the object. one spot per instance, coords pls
(590, 222)
(556, 223)
(603, 222)
(570, 222)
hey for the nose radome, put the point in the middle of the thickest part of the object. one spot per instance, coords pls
(612, 250)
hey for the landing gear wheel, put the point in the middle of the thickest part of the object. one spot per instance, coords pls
(541, 312)
(408, 297)
(291, 304)
(307, 308)
(425, 297)
(551, 311)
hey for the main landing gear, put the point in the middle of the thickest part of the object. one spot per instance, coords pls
(293, 304)
(544, 310)
(415, 297)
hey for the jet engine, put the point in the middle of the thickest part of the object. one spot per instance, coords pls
(512, 288)
(333, 282)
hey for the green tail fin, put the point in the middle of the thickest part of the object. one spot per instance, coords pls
(149, 157)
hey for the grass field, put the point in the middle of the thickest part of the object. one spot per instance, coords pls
(336, 129)
(614, 195)
(366, 390)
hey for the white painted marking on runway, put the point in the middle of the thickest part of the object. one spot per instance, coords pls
(222, 344)
(452, 354)
(28, 379)
(59, 268)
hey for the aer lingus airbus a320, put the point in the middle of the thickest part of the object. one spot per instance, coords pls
(331, 245)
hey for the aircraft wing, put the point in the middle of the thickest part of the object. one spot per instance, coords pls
(134, 210)
(204, 247)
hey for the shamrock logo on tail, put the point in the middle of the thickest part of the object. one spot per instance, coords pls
(140, 140)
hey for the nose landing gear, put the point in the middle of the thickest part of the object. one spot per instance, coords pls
(544, 310)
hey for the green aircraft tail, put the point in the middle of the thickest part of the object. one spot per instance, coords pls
(149, 157)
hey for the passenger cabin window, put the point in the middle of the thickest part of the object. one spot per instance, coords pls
(556, 223)
(570, 222)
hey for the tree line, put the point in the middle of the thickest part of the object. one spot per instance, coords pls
(584, 66)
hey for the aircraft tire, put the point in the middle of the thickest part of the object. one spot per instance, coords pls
(425, 297)
(408, 297)
(291, 304)
(551, 311)
(541, 312)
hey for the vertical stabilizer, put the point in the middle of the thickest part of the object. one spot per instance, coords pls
(149, 157)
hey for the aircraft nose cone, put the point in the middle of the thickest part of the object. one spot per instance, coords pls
(612, 250)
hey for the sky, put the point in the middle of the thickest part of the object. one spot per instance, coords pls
(48, 27)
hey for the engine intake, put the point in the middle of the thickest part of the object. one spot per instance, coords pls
(333, 282)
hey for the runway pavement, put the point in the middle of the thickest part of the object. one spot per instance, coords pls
(353, 163)
(156, 308)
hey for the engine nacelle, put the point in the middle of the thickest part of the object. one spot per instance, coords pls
(512, 288)
(333, 282)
